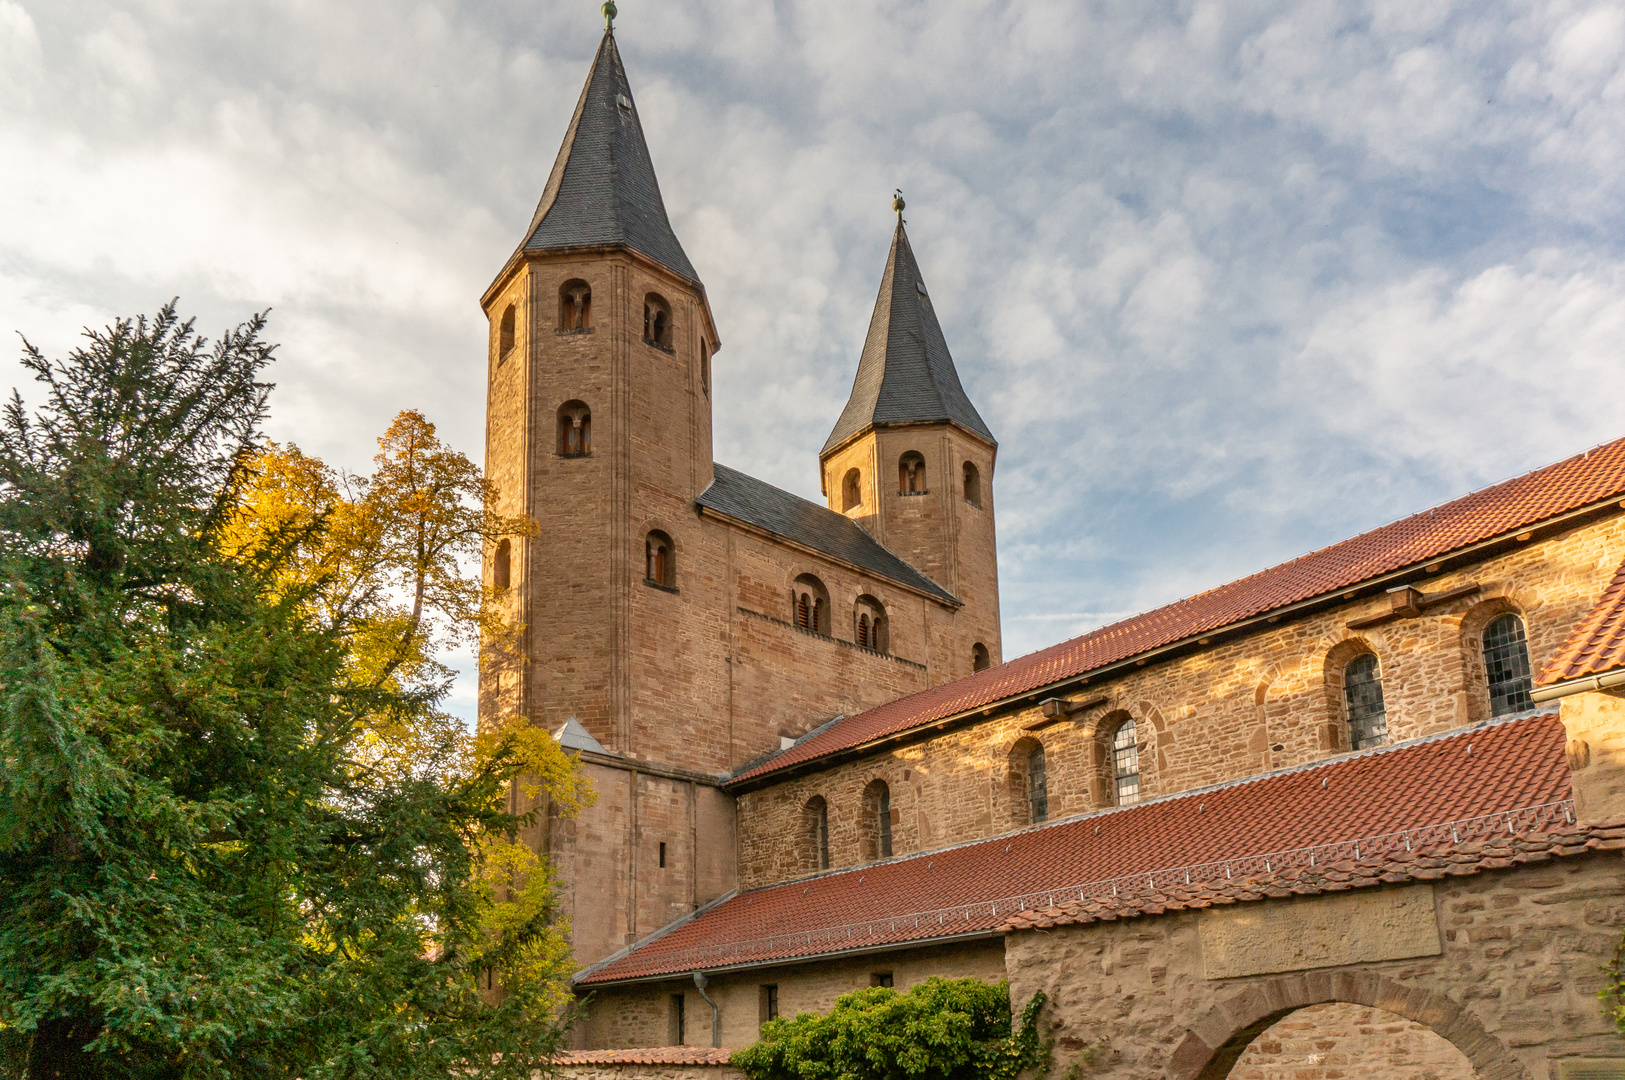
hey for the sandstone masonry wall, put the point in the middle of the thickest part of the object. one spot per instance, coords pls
(1270, 700)
(1520, 959)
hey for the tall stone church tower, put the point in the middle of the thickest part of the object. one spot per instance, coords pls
(682, 620)
(598, 419)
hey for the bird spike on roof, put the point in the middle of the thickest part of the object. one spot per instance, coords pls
(603, 191)
(905, 375)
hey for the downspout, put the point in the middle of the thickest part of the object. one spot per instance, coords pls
(716, 1017)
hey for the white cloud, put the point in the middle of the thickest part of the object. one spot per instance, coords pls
(1230, 281)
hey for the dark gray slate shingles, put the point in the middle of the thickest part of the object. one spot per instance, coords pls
(603, 190)
(761, 504)
(905, 374)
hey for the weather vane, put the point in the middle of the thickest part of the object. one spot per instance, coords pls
(609, 14)
(897, 202)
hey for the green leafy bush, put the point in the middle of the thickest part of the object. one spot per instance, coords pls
(941, 1029)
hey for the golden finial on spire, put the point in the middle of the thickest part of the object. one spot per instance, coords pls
(897, 202)
(609, 14)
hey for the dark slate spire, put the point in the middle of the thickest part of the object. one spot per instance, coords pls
(905, 374)
(602, 190)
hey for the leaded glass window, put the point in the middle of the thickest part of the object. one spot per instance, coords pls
(1037, 785)
(1126, 764)
(1362, 693)
(1506, 666)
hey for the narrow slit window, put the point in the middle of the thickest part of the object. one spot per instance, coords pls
(662, 854)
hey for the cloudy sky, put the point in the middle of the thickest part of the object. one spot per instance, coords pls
(1228, 281)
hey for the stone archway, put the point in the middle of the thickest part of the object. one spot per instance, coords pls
(1211, 1045)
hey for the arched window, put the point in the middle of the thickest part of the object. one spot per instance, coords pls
(979, 658)
(973, 485)
(851, 490)
(911, 474)
(1362, 697)
(809, 604)
(815, 834)
(660, 565)
(1506, 666)
(657, 321)
(499, 565)
(575, 305)
(705, 369)
(1125, 764)
(505, 333)
(575, 429)
(1028, 785)
(876, 821)
(870, 627)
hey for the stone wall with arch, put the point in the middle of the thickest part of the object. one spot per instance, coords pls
(1511, 982)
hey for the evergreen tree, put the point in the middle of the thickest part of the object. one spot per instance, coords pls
(207, 866)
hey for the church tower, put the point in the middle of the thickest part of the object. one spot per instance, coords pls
(911, 460)
(598, 426)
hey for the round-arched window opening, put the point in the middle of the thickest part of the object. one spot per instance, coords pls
(979, 658)
(809, 604)
(500, 565)
(1125, 764)
(875, 824)
(1506, 666)
(911, 474)
(815, 834)
(1029, 781)
(575, 429)
(1362, 698)
(973, 484)
(660, 564)
(870, 625)
(505, 332)
(575, 305)
(657, 321)
(851, 490)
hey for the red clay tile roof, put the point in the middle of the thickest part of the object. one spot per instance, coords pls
(973, 888)
(648, 1055)
(1392, 868)
(1597, 644)
(1509, 507)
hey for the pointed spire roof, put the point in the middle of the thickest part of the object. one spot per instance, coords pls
(603, 190)
(905, 375)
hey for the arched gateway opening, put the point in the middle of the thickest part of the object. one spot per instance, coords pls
(1339, 1005)
(1341, 1039)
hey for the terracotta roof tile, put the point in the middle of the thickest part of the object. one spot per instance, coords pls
(1486, 770)
(1390, 868)
(1509, 507)
(1597, 645)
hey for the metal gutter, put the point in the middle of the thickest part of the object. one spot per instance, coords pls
(1605, 681)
